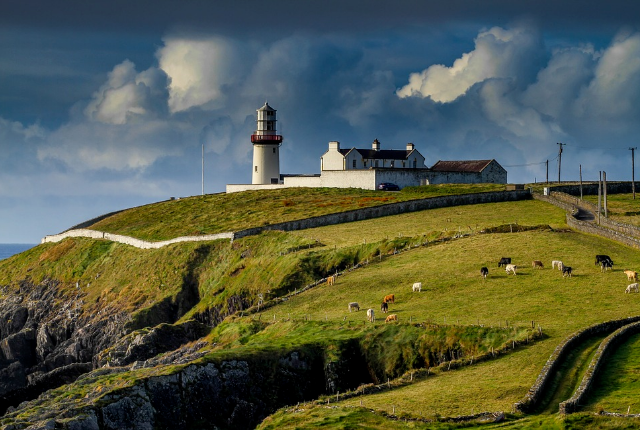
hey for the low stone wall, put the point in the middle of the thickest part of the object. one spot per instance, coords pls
(533, 396)
(603, 352)
(138, 243)
(319, 221)
(608, 229)
(591, 188)
(391, 209)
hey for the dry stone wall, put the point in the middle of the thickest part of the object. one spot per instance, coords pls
(319, 221)
(603, 352)
(535, 393)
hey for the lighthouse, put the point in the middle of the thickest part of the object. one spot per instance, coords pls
(266, 148)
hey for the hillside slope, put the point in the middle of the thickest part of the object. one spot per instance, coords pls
(197, 335)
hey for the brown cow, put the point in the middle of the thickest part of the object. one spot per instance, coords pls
(389, 298)
(390, 318)
(331, 280)
(631, 275)
(536, 264)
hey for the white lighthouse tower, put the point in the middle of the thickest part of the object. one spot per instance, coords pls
(266, 148)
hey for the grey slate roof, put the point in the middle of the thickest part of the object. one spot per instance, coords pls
(471, 166)
(383, 154)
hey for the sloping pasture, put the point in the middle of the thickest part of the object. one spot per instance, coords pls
(436, 222)
(454, 293)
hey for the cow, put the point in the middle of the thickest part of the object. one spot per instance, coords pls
(390, 318)
(331, 280)
(511, 268)
(389, 298)
(417, 287)
(371, 316)
(504, 261)
(566, 271)
(600, 258)
(632, 288)
(353, 305)
(384, 307)
(557, 263)
(631, 275)
(537, 263)
(606, 264)
(484, 272)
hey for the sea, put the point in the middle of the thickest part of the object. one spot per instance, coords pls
(9, 249)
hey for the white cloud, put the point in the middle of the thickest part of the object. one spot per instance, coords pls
(128, 95)
(498, 53)
(198, 69)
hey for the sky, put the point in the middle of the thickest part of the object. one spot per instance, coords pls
(106, 105)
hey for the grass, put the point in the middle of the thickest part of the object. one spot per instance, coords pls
(459, 296)
(215, 213)
(616, 387)
(436, 223)
(620, 207)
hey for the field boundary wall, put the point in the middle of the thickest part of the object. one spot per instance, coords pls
(535, 393)
(596, 365)
(608, 231)
(318, 221)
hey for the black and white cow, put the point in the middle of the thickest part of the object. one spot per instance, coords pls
(504, 261)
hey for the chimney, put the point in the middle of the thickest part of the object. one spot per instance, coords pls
(334, 146)
(410, 147)
(376, 145)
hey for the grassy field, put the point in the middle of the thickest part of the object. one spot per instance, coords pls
(454, 293)
(616, 388)
(620, 207)
(215, 213)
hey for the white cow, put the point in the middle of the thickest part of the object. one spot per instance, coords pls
(511, 268)
(632, 288)
(557, 263)
(370, 315)
(417, 287)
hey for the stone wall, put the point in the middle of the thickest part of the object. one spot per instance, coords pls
(603, 352)
(536, 392)
(127, 240)
(319, 221)
(390, 209)
(570, 204)
(591, 188)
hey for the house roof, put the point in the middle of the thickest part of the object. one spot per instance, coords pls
(471, 166)
(383, 154)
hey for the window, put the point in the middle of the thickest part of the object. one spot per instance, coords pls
(376, 163)
(393, 163)
(415, 163)
(274, 150)
(354, 164)
(255, 168)
(403, 164)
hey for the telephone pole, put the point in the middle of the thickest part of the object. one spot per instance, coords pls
(203, 168)
(560, 159)
(633, 173)
(547, 163)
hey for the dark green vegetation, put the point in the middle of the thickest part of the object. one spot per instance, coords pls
(478, 338)
(620, 207)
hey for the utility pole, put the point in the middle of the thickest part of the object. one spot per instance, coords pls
(599, 196)
(581, 182)
(203, 168)
(560, 159)
(604, 192)
(547, 163)
(633, 173)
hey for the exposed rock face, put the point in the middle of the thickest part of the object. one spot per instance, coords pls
(231, 394)
(46, 340)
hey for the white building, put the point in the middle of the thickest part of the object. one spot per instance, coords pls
(358, 168)
(266, 148)
(357, 159)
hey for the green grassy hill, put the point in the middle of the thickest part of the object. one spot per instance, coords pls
(457, 316)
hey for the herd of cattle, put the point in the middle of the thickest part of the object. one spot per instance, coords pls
(605, 262)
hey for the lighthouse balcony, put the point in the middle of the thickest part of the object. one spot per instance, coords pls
(266, 138)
